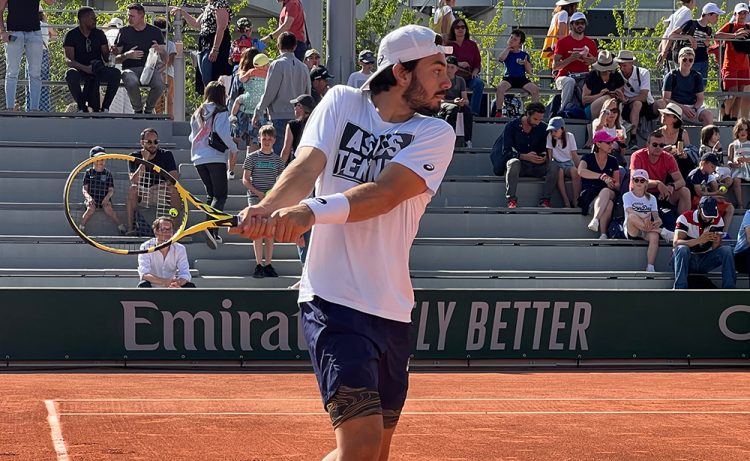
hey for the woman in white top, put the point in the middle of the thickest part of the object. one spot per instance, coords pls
(738, 156)
(642, 221)
(562, 149)
(443, 17)
(558, 28)
(609, 120)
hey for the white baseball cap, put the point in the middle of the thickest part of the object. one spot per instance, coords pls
(578, 16)
(741, 7)
(405, 44)
(115, 22)
(710, 8)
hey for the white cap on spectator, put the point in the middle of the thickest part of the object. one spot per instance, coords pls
(640, 174)
(115, 22)
(566, 2)
(741, 7)
(710, 8)
(405, 44)
(578, 16)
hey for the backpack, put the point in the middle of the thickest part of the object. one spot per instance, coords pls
(499, 161)
(680, 44)
(740, 46)
(513, 106)
(239, 46)
(616, 228)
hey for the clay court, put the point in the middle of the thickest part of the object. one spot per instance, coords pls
(511, 415)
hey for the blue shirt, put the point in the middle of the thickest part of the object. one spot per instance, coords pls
(742, 243)
(512, 66)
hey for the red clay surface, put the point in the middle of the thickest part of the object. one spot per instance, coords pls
(643, 415)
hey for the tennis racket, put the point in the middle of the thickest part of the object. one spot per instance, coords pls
(128, 194)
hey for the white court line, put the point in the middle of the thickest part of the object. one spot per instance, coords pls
(56, 431)
(479, 399)
(419, 413)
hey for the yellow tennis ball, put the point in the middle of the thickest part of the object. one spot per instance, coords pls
(722, 188)
(173, 212)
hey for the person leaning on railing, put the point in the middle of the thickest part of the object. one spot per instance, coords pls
(735, 67)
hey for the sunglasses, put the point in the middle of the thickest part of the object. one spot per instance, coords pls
(155, 142)
(688, 59)
(639, 180)
(658, 144)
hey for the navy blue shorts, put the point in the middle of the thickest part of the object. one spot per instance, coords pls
(350, 348)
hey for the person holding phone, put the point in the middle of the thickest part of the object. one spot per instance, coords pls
(602, 84)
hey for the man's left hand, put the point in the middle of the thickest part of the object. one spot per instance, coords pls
(288, 224)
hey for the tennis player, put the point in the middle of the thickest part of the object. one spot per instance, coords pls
(376, 158)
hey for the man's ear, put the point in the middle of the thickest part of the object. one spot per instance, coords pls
(403, 76)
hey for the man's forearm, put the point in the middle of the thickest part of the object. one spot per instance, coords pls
(297, 180)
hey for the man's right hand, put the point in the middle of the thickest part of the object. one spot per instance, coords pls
(254, 222)
(532, 157)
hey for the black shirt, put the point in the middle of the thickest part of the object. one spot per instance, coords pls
(23, 16)
(595, 83)
(82, 52)
(516, 141)
(592, 165)
(698, 178)
(296, 127)
(98, 182)
(162, 158)
(142, 41)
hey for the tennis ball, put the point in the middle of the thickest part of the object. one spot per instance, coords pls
(722, 188)
(173, 212)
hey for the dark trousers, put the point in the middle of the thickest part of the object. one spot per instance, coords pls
(449, 112)
(147, 284)
(299, 52)
(742, 261)
(89, 96)
(214, 177)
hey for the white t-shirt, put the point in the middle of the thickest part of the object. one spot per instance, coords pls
(365, 265)
(633, 88)
(643, 206)
(357, 79)
(558, 152)
(442, 12)
(562, 17)
(677, 20)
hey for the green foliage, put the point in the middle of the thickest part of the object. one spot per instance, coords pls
(381, 18)
(486, 35)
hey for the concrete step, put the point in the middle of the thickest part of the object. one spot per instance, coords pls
(47, 158)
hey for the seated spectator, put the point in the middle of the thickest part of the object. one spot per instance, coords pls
(735, 67)
(638, 102)
(665, 180)
(602, 84)
(697, 245)
(167, 267)
(739, 158)
(312, 58)
(466, 51)
(456, 101)
(702, 182)
(698, 32)
(87, 53)
(600, 183)
(262, 168)
(524, 143)
(253, 82)
(642, 221)
(573, 55)
(610, 121)
(517, 66)
(303, 107)
(319, 77)
(367, 65)
(684, 86)
(98, 188)
(711, 144)
(742, 248)
(676, 138)
(562, 150)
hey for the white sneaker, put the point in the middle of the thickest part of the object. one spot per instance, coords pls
(230, 175)
(594, 225)
(650, 268)
(469, 145)
(667, 235)
(211, 241)
(603, 237)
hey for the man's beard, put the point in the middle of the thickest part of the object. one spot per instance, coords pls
(417, 100)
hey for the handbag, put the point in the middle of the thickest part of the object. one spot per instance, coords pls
(214, 140)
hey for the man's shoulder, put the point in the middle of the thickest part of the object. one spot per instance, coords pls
(136, 154)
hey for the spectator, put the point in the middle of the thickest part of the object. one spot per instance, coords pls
(610, 121)
(243, 42)
(121, 103)
(742, 248)
(702, 183)
(674, 22)
(168, 69)
(676, 138)
(312, 58)
(573, 55)
(684, 87)
(698, 33)
(253, 80)
(23, 34)
(167, 267)
(558, 29)
(214, 41)
(319, 77)
(642, 221)
(98, 188)
(739, 158)
(600, 183)
(711, 144)
(303, 107)
(466, 51)
(456, 102)
(517, 65)
(262, 168)
(665, 180)
(287, 79)
(524, 143)
(48, 34)
(146, 186)
(562, 150)
(697, 245)
(86, 54)
(443, 17)
(209, 124)
(367, 65)
(132, 46)
(292, 20)
(602, 84)
(735, 67)
(638, 102)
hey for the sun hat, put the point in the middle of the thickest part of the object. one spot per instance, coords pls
(672, 109)
(625, 56)
(604, 62)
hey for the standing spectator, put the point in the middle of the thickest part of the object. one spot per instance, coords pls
(738, 155)
(517, 66)
(742, 248)
(303, 107)
(243, 42)
(697, 245)
(600, 183)
(167, 267)
(573, 55)
(132, 45)
(602, 84)
(674, 22)
(214, 41)
(665, 180)
(261, 169)
(456, 102)
(168, 68)
(610, 121)
(638, 102)
(48, 34)
(642, 221)
(86, 54)
(684, 87)
(312, 58)
(209, 122)
(443, 17)
(287, 79)
(698, 33)
(466, 51)
(319, 77)
(98, 189)
(676, 138)
(524, 143)
(735, 68)
(702, 183)
(253, 81)
(23, 35)
(562, 150)
(367, 65)
(558, 29)
(292, 20)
